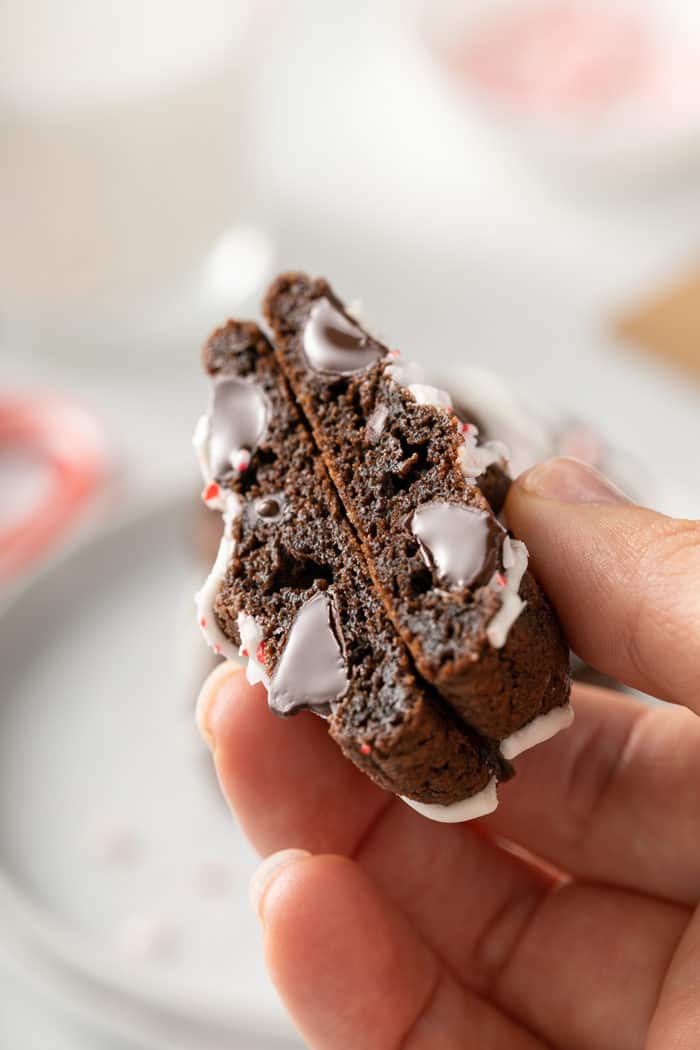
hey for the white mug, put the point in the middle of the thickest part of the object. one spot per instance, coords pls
(119, 168)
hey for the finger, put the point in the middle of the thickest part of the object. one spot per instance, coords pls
(676, 1021)
(353, 973)
(285, 779)
(625, 581)
(614, 799)
(587, 971)
(542, 950)
(475, 904)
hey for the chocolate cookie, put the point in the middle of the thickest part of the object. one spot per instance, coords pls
(290, 590)
(451, 579)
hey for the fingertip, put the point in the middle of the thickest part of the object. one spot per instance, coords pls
(339, 953)
(623, 579)
(568, 480)
(266, 873)
(220, 689)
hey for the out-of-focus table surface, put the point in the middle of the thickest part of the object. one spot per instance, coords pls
(456, 250)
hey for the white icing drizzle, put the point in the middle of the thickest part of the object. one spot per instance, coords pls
(537, 731)
(206, 595)
(515, 563)
(478, 805)
(474, 459)
(251, 637)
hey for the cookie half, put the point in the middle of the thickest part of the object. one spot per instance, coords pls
(290, 591)
(451, 579)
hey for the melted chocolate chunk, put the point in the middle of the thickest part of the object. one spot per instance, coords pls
(269, 508)
(237, 423)
(457, 542)
(311, 672)
(333, 344)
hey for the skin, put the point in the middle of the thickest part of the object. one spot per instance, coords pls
(569, 918)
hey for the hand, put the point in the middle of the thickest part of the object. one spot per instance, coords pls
(565, 919)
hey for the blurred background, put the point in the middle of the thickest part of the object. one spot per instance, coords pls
(510, 188)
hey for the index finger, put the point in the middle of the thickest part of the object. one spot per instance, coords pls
(624, 580)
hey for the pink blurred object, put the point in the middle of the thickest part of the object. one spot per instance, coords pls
(65, 441)
(550, 59)
(596, 93)
(553, 57)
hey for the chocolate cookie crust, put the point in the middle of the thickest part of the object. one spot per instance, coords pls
(291, 545)
(389, 456)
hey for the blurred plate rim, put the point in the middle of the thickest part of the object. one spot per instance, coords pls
(97, 982)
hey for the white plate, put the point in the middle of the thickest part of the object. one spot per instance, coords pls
(113, 834)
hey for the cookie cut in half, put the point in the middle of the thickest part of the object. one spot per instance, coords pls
(362, 571)
(290, 591)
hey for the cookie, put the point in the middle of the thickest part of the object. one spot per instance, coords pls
(290, 591)
(452, 580)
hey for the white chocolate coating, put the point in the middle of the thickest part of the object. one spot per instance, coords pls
(542, 728)
(251, 637)
(200, 440)
(333, 344)
(515, 563)
(312, 669)
(472, 808)
(206, 596)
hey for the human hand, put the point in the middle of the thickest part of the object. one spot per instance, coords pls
(567, 918)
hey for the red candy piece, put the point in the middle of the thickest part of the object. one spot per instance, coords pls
(365, 749)
(211, 492)
(69, 444)
(260, 654)
(203, 622)
(244, 652)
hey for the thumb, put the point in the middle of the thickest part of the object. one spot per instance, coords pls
(624, 580)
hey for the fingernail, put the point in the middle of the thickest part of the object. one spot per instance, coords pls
(570, 481)
(209, 695)
(267, 873)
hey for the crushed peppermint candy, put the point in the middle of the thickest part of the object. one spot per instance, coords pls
(240, 459)
(515, 558)
(376, 422)
(474, 459)
(211, 493)
(251, 646)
